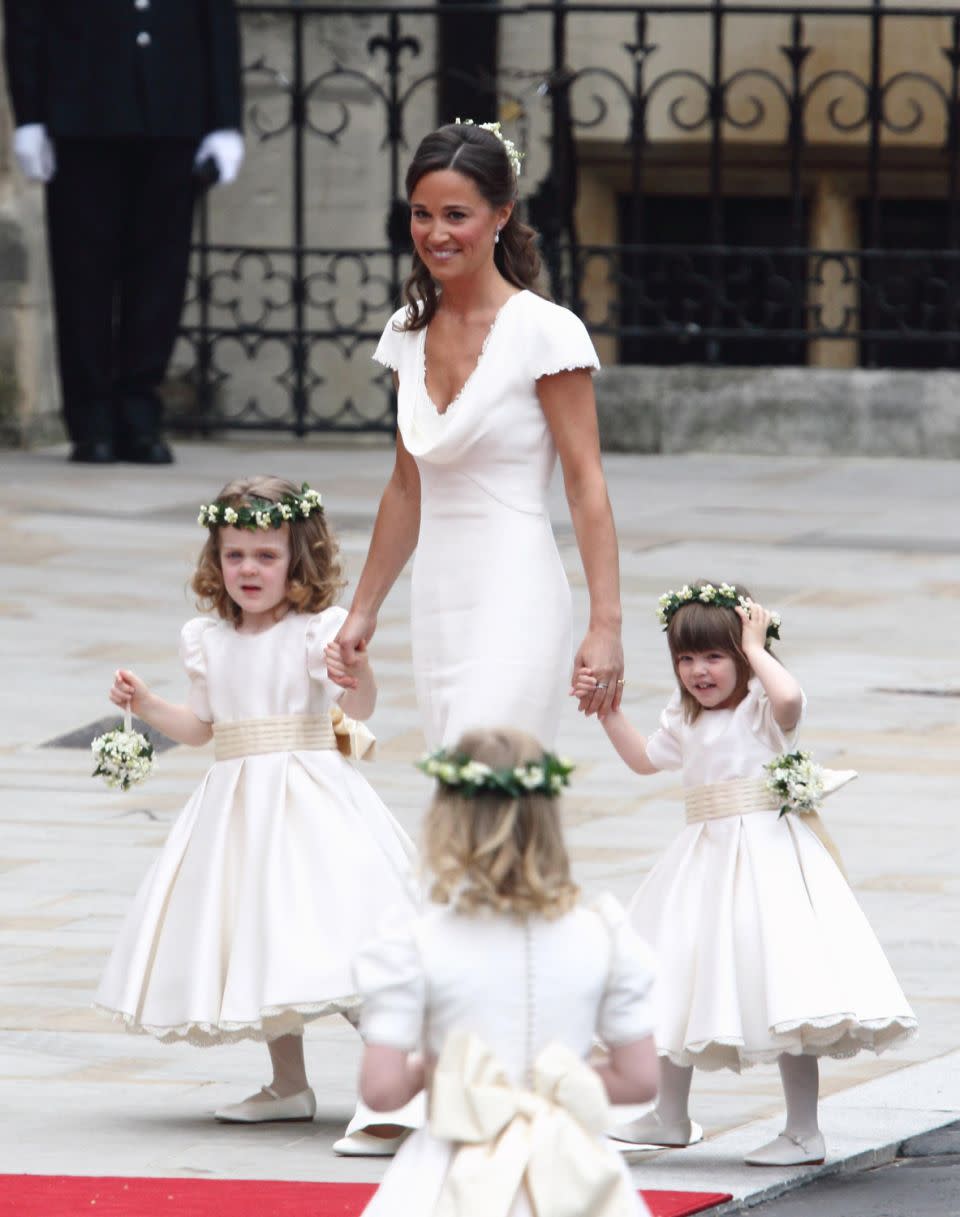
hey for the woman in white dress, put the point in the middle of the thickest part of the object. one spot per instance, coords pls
(764, 952)
(492, 1001)
(493, 381)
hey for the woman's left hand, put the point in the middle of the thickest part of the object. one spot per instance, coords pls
(602, 652)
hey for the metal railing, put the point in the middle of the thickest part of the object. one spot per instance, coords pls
(283, 312)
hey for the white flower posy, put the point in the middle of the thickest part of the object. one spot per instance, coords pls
(797, 780)
(514, 155)
(124, 758)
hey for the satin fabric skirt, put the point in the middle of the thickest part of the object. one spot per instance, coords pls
(414, 1181)
(491, 616)
(274, 873)
(763, 949)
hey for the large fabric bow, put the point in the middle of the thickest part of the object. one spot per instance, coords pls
(355, 740)
(833, 779)
(546, 1137)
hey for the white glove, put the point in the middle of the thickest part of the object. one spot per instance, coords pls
(225, 148)
(33, 149)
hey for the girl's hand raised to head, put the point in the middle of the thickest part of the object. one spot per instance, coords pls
(129, 690)
(352, 640)
(756, 620)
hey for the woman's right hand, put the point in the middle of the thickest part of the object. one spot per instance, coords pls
(128, 690)
(353, 638)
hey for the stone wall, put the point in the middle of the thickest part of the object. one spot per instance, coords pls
(783, 411)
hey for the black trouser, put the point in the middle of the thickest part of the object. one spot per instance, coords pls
(119, 214)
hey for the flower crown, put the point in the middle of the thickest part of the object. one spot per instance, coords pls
(724, 596)
(514, 155)
(469, 778)
(262, 513)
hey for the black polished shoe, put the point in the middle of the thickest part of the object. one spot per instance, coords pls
(93, 452)
(145, 450)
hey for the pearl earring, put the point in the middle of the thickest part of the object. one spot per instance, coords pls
(496, 237)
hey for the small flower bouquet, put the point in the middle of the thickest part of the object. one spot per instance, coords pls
(123, 757)
(797, 780)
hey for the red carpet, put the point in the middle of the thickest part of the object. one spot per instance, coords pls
(71, 1195)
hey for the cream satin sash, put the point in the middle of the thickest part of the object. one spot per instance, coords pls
(293, 733)
(506, 1135)
(742, 796)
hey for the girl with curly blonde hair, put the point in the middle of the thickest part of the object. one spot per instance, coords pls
(284, 858)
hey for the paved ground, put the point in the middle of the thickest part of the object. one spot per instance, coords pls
(861, 558)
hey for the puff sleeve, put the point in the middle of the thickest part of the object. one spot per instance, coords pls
(765, 727)
(626, 1009)
(559, 342)
(323, 628)
(195, 662)
(665, 747)
(389, 976)
(390, 346)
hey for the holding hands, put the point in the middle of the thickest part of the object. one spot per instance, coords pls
(347, 664)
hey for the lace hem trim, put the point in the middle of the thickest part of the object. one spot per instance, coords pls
(835, 1036)
(273, 1021)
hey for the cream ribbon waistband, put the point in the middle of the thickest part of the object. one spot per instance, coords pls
(293, 733)
(505, 1136)
(742, 796)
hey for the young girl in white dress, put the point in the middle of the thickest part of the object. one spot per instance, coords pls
(492, 999)
(765, 954)
(284, 858)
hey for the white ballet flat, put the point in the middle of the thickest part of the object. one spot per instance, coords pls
(365, 1145)
(787, 1150)
(650, 1132)
(299, 1106)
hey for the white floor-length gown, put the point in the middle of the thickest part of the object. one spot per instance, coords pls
(491, 614)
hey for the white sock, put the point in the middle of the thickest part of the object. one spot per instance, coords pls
(801, 1088)
(289, 1070)
(673, 1096)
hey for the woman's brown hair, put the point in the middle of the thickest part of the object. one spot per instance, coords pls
(313, 577)
(698, 627)
(480, 156)
(493, 851)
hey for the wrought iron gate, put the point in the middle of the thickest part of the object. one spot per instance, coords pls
(297, 267)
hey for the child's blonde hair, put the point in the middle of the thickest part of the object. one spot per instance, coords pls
(708, 627)
(493, 851)
(313, 577)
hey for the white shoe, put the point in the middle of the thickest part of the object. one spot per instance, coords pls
(365, 1145)
(650, 1132)
(268, 1105)
(787, 1150)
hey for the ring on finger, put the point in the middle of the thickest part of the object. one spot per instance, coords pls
(601, 686)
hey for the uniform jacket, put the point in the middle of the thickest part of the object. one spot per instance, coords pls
(105, 68)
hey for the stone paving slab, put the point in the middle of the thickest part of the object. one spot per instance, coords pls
(860, 557)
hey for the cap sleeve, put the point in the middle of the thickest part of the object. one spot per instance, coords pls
(389, 976)
(195, 663)
(764, 726)
(560, 343)
(323, 628)
(626, 1009)
(391, 342)
(664, 747)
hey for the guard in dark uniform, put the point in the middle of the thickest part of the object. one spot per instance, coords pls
(119, 105)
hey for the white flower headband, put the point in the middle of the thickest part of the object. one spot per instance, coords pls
(262, 513)
(514, 155)
(469, 778)
(724, 596)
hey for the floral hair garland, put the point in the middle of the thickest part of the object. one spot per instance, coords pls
(262, 513)
(514, 155)
(470, 778)
(724, 596)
